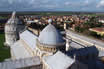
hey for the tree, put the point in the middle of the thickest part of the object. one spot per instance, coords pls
(79, 29)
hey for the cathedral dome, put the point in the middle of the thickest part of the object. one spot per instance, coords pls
(50, 36)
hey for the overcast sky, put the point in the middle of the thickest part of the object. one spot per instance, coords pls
(52, 5)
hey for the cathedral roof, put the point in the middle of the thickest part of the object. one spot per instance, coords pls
(50, 36)
(29, 38)
(19, 50)
(21, 63)
(59, 61)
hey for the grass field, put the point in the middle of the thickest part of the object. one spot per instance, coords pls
(4, 51)
(2, 17)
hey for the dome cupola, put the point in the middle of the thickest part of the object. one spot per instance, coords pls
(50, 39)
(50, 36)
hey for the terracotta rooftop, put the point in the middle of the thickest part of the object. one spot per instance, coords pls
(98, 29)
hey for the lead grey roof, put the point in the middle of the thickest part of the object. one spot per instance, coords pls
(18, 47)
(59, 61)
(29, 38)
(50, 35)
(19, 50)
(20, 63)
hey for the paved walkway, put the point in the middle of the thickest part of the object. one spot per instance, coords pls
(84, 39)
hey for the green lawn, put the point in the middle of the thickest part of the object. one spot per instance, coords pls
(4, 51)
(3, 17)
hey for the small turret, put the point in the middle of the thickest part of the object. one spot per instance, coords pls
(68, 44)
(65, 26)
